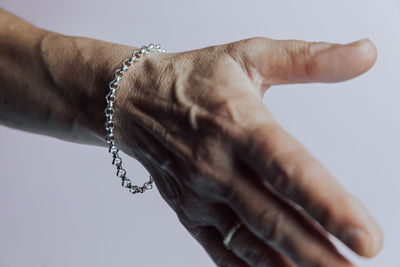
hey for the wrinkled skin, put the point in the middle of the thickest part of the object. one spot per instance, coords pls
(197, 122)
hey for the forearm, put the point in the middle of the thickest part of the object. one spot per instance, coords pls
(54, 84)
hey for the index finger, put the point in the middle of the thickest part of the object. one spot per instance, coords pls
(288, 167)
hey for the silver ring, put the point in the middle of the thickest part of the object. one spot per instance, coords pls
(231, 232)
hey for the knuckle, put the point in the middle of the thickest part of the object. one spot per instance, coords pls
(297, 168)
(226, 190)
(224, 110)
(298, 49)
(272, 224)
(306, 50)
(280, 175)
(239, 51)
(221, 120)
(236, 48)
(254, 42)
(299, 55)
(257, 43)
(252, 252)
(308, 59)
(303, 55)
(232, 49)
(230, 114)
(291, 168)
(229, 192)
(211, 182)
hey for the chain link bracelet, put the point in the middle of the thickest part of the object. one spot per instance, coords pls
(110, 111)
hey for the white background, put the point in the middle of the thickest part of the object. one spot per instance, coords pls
(60, 204)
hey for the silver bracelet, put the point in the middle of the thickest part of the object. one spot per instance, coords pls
(109, 111)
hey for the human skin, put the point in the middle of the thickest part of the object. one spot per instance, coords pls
(197, 123)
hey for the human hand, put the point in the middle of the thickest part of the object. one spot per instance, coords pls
(196, 121)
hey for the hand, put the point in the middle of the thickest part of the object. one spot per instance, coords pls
(197, 122)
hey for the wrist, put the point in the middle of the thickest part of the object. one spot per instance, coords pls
(81, 69)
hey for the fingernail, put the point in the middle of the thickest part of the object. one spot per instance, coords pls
(365, 244)
(360, 42)
(365, 47)
(356, 239)
(376, 242)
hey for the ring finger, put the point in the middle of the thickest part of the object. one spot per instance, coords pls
(244, 244)
(255, 252)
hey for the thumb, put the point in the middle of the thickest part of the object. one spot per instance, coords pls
(292, 61)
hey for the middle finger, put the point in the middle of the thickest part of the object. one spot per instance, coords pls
(280, 225)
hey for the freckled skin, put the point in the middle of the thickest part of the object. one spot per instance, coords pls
(196, 121)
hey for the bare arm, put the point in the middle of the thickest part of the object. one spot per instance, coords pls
(196, 121)
(54, 84)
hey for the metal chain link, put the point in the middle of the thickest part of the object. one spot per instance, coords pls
(110, 111)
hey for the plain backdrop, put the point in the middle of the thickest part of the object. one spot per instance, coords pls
(60, 204)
